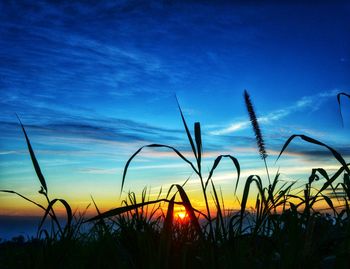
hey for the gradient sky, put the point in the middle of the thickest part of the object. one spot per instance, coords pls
(93, 82)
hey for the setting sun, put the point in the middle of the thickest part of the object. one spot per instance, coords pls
(181, 215)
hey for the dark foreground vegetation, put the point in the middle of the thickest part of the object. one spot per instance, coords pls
(285, 229)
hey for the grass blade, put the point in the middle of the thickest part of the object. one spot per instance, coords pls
(329, 182)
(315, 177)
(219, 210)
(198, 138)
(330, 203)
(187, 130)
(34, 160)
(216, 163)
(250, 179)
(121, 210)
(25, 198)
(101, 221)
(316, 142)
(168, 222)
(154, 146)
(338, 98)
(189, 209)
(53, 216)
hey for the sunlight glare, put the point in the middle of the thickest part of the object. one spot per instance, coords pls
(181, 215)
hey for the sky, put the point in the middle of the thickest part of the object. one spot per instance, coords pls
(93, 81)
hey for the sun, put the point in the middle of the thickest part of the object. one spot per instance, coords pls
(181, 215)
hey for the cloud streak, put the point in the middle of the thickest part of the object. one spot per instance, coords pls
(109, 130)
(312, 102)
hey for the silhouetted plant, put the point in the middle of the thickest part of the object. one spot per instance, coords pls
(256, 128)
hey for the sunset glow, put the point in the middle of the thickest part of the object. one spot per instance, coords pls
(94, 83)
(174, 134)
(181, 215)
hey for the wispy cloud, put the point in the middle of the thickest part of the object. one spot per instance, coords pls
(297, 151)
(112, 129)
(7, 152)
(99, 171)
(312, 102)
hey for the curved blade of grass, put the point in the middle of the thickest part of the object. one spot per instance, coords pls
(257, 207)
(168, 222)
(311, 201)
(34, 160)
(216, 163)
(338, 193)
(329, 202)
(280, 197)
(96, 207)
(325, 175)
(250, 179)
(329, 182)
(121, 210)
(338, 98)
(189, 209)
(233, 222)
(284, 191)
(346, 185)
(336, 155)
(102, 222)
(183, 202)
(187, 179)
(218, 207)
(296, 197)
(154, 209)
(271, 189)
(49, 208)
(183, 184)
(154, 146)
(47, 236)
(186, 129)
(314, 177)
(68, 226)
(274, 182)
(25, 198)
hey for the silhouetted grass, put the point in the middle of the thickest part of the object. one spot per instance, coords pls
(285, 229)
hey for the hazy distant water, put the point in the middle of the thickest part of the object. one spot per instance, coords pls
(11, 226)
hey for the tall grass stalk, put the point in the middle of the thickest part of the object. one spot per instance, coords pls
(256, 128)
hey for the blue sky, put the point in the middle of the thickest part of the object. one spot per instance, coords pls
(93, 82)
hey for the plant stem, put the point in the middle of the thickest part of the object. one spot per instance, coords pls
(267, 171)
(207, 206)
